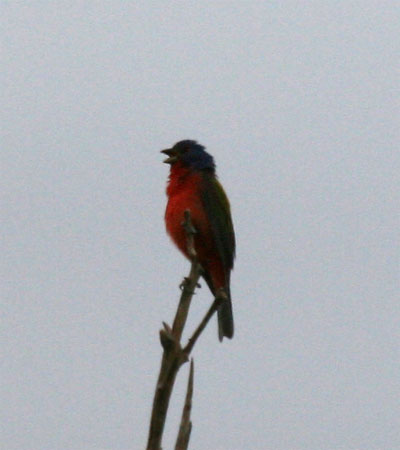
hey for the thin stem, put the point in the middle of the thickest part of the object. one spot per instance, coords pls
(192, 340)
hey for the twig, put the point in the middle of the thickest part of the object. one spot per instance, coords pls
(213, 308)
(185, 428)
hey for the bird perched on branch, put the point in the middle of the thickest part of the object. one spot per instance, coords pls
(193, 186)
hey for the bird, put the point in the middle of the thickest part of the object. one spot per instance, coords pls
(193, 185)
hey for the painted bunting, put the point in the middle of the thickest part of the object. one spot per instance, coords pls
(193, 186)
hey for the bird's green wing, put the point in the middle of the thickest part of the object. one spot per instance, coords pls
(217, 207)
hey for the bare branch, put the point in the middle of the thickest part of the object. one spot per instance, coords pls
(173, 357)
(173, 353)
(185, 428)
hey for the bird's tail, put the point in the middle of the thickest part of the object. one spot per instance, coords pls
(225, 318)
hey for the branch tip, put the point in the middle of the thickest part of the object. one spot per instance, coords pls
(185, 428)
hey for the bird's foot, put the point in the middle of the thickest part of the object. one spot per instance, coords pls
(184, 283)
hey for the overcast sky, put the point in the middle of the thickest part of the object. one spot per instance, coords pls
(299, 104)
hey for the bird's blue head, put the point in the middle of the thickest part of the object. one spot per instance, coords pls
(190, 154)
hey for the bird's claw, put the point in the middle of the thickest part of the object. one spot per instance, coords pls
(184, 283)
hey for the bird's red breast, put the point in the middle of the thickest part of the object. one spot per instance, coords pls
(184, 192)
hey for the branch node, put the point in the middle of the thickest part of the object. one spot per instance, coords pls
(167, 338)
(167, 328)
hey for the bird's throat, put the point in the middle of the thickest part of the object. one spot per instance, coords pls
(179, 177)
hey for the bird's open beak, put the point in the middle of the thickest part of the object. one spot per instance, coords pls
(172, 156)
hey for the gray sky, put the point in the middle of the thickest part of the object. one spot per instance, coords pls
(297, 101)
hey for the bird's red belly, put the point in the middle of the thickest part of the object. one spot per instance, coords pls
(174, 217)
(203, 240)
